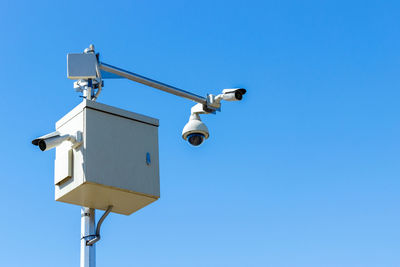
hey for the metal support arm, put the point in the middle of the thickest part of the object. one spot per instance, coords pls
(89, 71)
(152, 83)
(97, 236)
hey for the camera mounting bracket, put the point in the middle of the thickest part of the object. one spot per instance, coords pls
(89, 72)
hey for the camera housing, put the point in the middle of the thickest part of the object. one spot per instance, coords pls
(195, 131)
(234, 94)
(54, 139)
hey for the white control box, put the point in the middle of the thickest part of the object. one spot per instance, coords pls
(117, 163)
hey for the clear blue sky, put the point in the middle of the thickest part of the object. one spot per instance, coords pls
(303, 172)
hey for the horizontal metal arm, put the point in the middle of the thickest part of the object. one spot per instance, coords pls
(152, 83)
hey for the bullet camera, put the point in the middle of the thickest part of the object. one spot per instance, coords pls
(234, 94)
(195, 131)
(51, 140)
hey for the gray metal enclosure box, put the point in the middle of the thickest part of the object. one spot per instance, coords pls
(117, 164)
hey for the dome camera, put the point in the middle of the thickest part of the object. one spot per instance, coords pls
(195, 131)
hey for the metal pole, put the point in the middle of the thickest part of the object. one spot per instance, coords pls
(153, 83)
(88, 253)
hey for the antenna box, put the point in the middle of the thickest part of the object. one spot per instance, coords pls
(117, 163)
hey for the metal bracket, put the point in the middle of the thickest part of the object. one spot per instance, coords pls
(77, 140)
(97, 235)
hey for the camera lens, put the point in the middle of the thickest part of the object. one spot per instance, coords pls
(42, 145)
(195, 139)
(238, 95)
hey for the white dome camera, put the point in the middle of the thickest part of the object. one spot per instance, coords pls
(195, 131)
